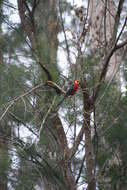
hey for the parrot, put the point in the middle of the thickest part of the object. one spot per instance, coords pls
(71, 91)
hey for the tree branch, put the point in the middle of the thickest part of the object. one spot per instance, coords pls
(20, 97)
(35, 3)
(24, 22)
(117, 19)
(105, 31)
(45, 70)
(77, 143)
(81, 167)
(30, 13)
(20, 121)
(57, 88)
(107, 58)
(63, 28)
(122, 29)
(122, 44)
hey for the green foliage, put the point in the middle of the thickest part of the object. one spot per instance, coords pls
(90, 67)
(112, 132)
(5, 161)
(32, 164)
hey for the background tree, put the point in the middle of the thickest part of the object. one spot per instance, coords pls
(81, 144)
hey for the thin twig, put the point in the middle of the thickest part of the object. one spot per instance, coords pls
(117, 19)
(12, 102)
(81, 167)
(65, 36)
(20, 121)
(105, 31)
(122, 29)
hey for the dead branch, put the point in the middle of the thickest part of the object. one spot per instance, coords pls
(117, 19)
(122, 44)
(57, 88)
(77, 143)
(105, 32)
(20, 121)
(81, 167)
(65, 36)
(122, 29)
(20, 97)
(45, 70)
(103, 72)
(24, 21)
(107, 58)
(35, 3)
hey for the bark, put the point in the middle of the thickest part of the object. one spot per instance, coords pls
(28, 28)
(104, 19)
(104, 36)
(65, 163)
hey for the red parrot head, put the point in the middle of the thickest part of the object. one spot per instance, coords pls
(76, 85)
(76, 82)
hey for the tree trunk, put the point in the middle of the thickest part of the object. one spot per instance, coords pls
(45, 42)
(102, 19)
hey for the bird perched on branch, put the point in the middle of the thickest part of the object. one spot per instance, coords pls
(71, 91)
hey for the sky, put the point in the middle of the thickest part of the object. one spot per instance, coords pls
(78, 3)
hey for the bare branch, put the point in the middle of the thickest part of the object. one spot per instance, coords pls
(108, 10)
(45, 70)
(103, 72)
(63, 28)
(35, 3)
(6, 110)
(117, 19)
(77, 142)
(58, 89)
(122, 44)
(122, 29)
(20, 97)
(24, 22)
(105, 11)
(27, 7)
(30, 16)
(50, 83)
(107, 60)
(20, 121)
(81, 167)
